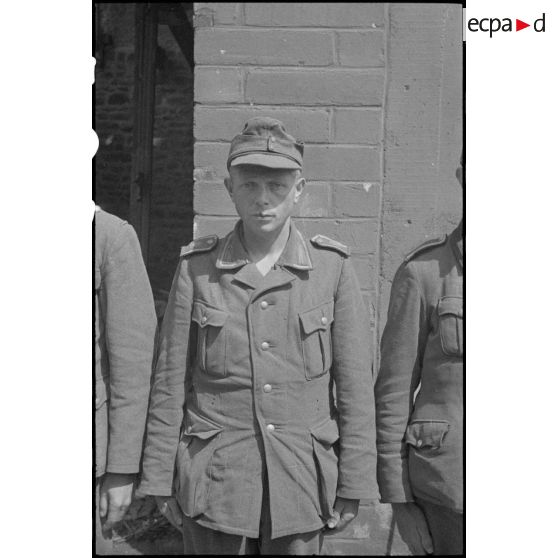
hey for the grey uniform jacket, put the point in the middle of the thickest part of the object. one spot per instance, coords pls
(125, 329)
(420, 442)
(247, 370)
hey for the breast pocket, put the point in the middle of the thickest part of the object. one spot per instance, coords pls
(450, 316)
(212, 338)
(315, 329)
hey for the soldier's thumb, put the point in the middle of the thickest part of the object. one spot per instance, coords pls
(333, 520)
(426, 541)
(103, 504)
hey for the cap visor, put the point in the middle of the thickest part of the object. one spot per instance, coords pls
(265, 160)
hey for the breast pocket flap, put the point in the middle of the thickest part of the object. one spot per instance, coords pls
(426, 434)
(205, 315)
(317, 318)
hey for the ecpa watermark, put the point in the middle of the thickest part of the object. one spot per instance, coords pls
(494, 25)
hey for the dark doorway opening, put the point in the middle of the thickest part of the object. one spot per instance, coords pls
(144, 120)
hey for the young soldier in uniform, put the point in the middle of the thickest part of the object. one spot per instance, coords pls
(262, 329)
(420, 438)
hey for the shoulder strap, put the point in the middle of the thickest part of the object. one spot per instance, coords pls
(432, 243)
(321, 241)
(203, 244)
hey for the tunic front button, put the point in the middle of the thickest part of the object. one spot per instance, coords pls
(267, 388)
(419, 443)
(263, 304)
(204, 319)
(324, 320)
(270, 427)
(265, 345)
(97, 401)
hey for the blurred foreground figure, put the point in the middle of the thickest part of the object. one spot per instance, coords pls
(420, 439)
(125, 328)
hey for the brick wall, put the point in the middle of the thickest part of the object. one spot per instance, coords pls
(374, 91)
(172, 185)
(320, 68)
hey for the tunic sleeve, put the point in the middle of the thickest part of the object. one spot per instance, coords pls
(402, 347)
(130, 330)
(352, 371)
(166, 404)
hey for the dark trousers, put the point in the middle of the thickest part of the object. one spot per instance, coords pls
(446, 528)
(202, 540)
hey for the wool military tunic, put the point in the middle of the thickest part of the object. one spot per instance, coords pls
(244, 388)
(420, 440)
(125, 331)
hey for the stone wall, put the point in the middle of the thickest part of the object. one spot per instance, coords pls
(374, 91)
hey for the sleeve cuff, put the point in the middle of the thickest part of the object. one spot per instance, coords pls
(154, 490)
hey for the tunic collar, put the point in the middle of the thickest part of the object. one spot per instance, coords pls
(232, 253)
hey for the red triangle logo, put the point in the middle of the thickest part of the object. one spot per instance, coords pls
(519, 25)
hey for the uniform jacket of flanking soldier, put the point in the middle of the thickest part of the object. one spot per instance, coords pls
(253, 389)
(420, 443)
(125, 329)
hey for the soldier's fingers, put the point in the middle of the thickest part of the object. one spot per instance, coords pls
(173, 513)
(426, 541)
(167, 513)
(103, 504)
(333, 520)
(345, 518)
(116, 513)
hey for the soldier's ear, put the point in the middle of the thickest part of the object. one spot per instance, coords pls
(299, 187)
(228, 185)
(459, 175)
(459, 170)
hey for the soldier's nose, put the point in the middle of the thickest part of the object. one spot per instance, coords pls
(262, 200)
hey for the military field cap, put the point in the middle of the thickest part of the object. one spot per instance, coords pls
(265, 142)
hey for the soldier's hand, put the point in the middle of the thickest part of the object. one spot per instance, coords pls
(344, 511)
(115, 497)
(168, 506)
(413, 527)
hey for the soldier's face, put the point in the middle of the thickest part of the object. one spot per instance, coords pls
(264, 198)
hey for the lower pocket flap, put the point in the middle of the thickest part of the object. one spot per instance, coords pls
(100, 393)
(200, 427)
(207, 316)
(327, 432)
(426, 433)
(451, 305)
